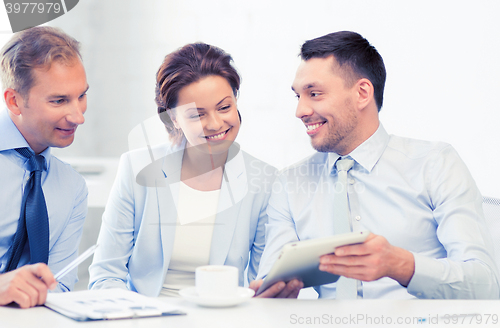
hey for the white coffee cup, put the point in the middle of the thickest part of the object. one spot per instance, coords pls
(216, 281)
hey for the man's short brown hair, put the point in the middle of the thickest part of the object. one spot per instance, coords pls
(36, 47)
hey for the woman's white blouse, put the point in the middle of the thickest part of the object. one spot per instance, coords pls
(193, 236)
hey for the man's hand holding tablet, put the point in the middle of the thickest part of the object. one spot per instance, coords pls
(298, 265)
(280, 289)
(373, 259)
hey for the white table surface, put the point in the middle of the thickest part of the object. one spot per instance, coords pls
(286, 313)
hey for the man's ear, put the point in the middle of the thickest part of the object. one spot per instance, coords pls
(13, 100)
(365, 93)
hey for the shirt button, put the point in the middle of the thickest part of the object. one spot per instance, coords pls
(358, 218)
(351, 181)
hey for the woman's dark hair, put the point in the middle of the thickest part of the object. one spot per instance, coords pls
(190, 64)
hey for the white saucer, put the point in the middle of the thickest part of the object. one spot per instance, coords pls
(243, 294)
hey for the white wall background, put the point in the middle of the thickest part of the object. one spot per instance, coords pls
(441, 57)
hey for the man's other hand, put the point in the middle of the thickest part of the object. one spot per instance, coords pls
(279, 289)
(27, 286)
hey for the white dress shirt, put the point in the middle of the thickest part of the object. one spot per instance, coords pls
(419, 195)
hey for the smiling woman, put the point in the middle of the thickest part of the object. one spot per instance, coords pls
(212, 120)
(204, 202)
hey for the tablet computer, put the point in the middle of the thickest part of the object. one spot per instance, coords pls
(300, 260)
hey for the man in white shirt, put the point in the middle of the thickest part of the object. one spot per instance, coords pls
(428, 235)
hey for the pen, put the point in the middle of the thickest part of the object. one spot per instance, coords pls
(76, 262)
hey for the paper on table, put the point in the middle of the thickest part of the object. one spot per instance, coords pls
(107, 304)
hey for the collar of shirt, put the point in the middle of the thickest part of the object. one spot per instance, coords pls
(367, 154)
(11, 138)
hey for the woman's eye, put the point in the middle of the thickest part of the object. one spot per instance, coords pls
(297, 96)
(314, 94)
(225, 107)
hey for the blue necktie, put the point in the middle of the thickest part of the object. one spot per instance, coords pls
(34, 221)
